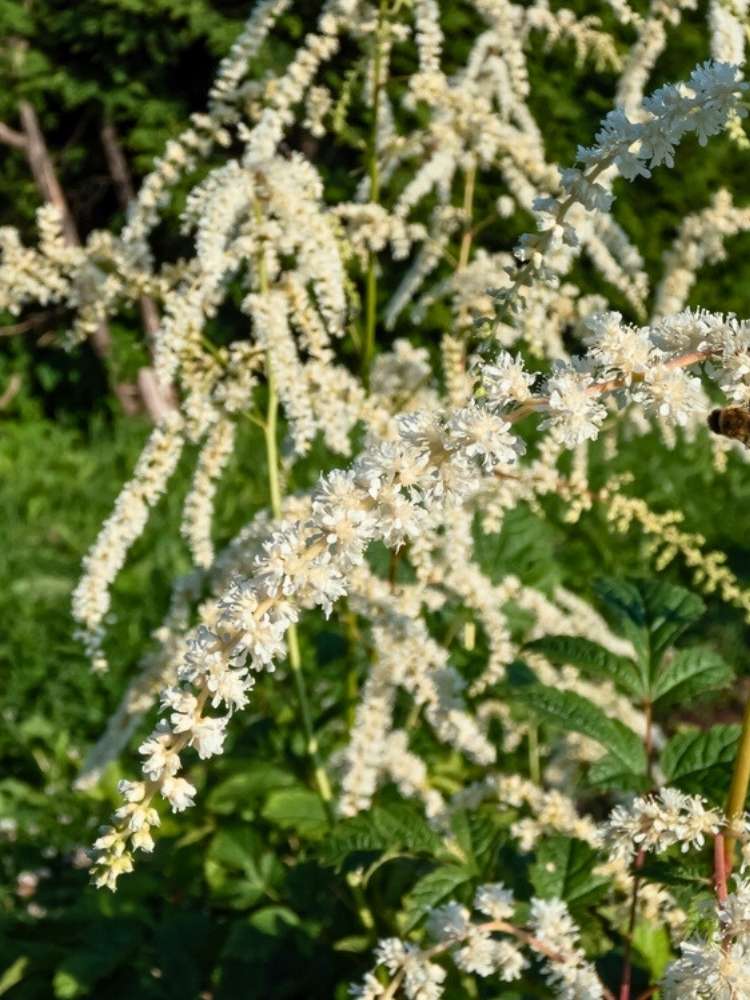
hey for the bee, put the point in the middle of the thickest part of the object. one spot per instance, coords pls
(732, 422)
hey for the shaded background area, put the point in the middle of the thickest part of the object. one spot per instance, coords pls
(228, 906)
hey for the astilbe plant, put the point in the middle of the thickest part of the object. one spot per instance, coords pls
(535, 372)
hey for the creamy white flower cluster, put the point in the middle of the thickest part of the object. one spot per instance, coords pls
(480, 120)
(157, 462)
(718, 967)
(394, 491)
(701, 239)
(385, 496)
(551, 810)
(657, 822)
(475, 945)
(702, 105)
(262, 219)
(406, 656)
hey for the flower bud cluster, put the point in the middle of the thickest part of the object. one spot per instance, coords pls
(658, 822)
(474, 946)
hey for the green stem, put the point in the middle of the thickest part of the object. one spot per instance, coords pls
(352, 679)
(270, 430)
(452, 343)
(740, 780)
(371, 289)
(295, 659)
(535, 771)
(468, 209)
(322, 783)
(627, 961)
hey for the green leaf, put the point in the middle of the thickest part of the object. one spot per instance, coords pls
(397, 828)
(274, 920)
(609, 772)
(671, 610)
(691, 672)
(592, 659)
(431, 890)
(238, 868)
(679, 870)
(651, 613)
(573, 712)
(297, 809)
(563, 869)
(475, 834)
(13, 974)
(699, 761)
(239, 791)
(526, 546)
(653, 945)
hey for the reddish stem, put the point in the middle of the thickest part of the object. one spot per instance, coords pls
(627, 965)
(720, 868)
(610, 385)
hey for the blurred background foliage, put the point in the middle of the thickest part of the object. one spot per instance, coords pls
(233, 903)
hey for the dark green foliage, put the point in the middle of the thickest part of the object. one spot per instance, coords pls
(383, 830)
(432, 890)
(651, 614)
(699, 761)
(563, 869)
(591, 659)
(574, 713)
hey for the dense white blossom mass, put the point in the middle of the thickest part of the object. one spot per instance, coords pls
(433, 457)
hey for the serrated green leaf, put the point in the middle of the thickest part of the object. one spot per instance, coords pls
(624, 602)
(700, 761)
(592, 659)
(434, 888)
(563, 869)
(573, 712)
(651, 613)
(406, 825)
(474, 833)
(352, 836)
(671, 610)
(680, 870)
(396, 828)
(609, 772)
(691, 672)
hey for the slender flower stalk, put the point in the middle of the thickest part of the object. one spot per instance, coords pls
(737, 797)
(312, 748)
(371, 290)
(468, 215)
(627, 961)
(720, 868)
